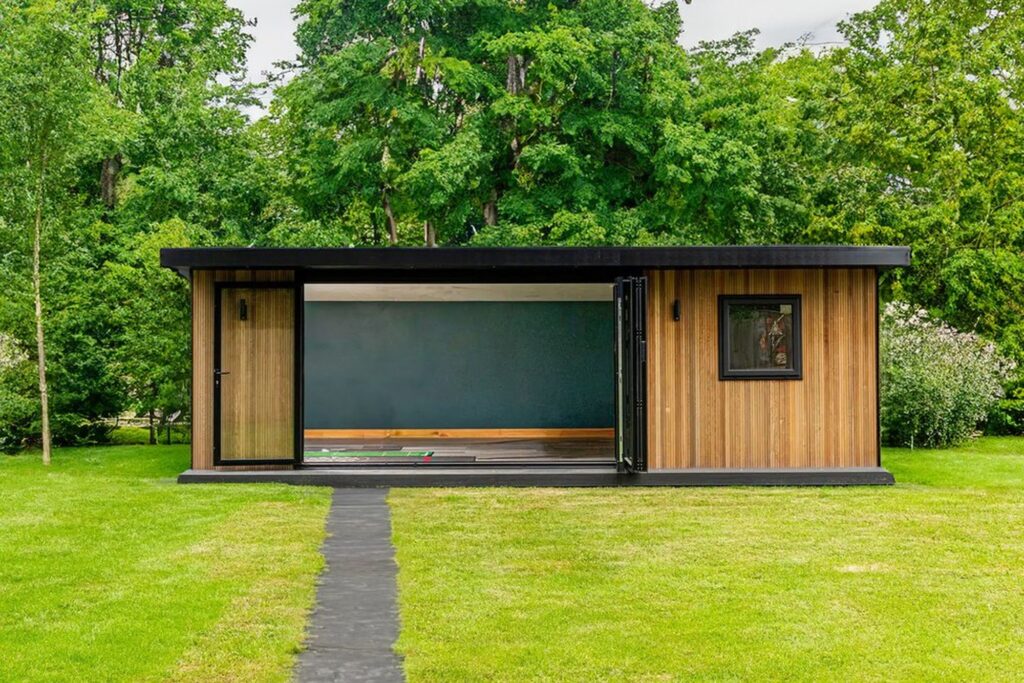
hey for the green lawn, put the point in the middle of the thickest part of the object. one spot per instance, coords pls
(110, 571)
(922, 581)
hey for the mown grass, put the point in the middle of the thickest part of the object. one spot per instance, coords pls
(111, 571)
(921, 581)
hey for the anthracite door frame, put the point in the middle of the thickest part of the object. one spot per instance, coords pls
(296, 289)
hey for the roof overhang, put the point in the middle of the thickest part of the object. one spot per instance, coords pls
(533, 259)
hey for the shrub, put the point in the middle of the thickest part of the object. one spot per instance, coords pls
(1008, 417)
(938, 384)
(80, 398)
(18, 413)
(139, 436)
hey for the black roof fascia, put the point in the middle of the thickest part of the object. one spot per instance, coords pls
(534, 258)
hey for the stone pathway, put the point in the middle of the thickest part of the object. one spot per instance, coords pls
(355, 621)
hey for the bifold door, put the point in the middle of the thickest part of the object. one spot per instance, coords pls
(254, 374)
(631, 373)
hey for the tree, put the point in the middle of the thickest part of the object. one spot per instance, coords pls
(165, 144)
(47, 107)
(925, 118)
(928, 107)
(184, 164)
(352, 122)
(478, 121)
(153, 355)
(159, 60)
(560, 122)
(738, 167)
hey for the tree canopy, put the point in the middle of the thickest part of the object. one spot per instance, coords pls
(482, 122)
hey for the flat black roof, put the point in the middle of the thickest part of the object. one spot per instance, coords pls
(354, 259)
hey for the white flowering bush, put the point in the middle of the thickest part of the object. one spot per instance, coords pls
(938, 384)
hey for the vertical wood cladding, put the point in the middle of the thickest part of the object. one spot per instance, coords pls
(202, 369)
(202, 357)
(826, 419)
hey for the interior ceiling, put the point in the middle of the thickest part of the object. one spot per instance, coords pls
(518, 291)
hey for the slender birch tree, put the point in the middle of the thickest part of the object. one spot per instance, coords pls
(48, 104)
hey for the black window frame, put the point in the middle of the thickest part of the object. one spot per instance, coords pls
(724, 345)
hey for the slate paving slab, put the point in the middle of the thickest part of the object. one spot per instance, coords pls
(355, 621)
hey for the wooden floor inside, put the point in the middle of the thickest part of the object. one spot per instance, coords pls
(455, 451)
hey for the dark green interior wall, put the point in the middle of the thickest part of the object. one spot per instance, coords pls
(433, 365)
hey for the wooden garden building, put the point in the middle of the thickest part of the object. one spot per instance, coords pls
(536, 366)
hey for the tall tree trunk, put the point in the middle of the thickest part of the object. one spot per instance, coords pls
(44, 398)
(515, 74)
(515, 82)
(429, 237)
(152, 429)
(109, 172)
(491, 209)
(419, 59)
(392, 223)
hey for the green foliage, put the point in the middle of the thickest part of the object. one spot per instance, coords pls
(153, 152)
(17, 385)
(485, 121)
(573, 122)
(51, 111)
(927, 111)
(1008, 416)
(938, 384)
(139, 436)
(151, 308)
(984, 290)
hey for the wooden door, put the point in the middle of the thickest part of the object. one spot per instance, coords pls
(254, 375)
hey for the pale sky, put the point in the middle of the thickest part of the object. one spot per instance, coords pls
(780, 21)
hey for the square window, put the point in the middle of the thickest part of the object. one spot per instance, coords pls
(759, 337)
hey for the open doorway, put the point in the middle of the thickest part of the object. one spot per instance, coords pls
(459, 374)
